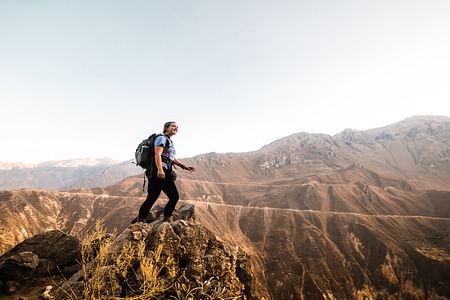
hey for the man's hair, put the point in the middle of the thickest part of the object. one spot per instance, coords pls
(167, 125)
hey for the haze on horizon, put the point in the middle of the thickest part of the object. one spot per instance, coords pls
(92, 79)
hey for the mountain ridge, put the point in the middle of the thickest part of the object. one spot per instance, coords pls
(72, 163)
(63, 174)
(351, 216)
(86, 172)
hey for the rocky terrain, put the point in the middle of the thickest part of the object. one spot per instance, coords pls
(362, 214)
(146, 261)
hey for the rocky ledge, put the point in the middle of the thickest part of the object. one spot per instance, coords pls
(157, 260)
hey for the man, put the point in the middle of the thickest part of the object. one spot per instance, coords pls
(161, 175)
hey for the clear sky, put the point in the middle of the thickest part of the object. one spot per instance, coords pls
(93, 78)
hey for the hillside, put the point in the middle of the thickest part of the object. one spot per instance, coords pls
(361, 213)
(161, 260)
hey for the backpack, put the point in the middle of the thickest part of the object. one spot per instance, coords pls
(145, 151)
(143, 154)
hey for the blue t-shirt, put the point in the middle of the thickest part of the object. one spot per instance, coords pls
(168, 153)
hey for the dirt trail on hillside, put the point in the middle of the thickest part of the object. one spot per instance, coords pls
(266, 208)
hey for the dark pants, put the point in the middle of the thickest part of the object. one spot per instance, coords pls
(155, 186)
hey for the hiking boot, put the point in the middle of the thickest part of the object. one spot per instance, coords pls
(137, 219)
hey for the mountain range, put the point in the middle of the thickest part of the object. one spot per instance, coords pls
(357, 215)
(63, 174)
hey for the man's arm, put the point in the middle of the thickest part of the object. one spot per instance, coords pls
(184, 167)
(158, 161)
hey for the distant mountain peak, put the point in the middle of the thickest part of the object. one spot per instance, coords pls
(426, 118)
(80, 162)
(57, 174)
(67, 163)
(413, 125)
(10, 166)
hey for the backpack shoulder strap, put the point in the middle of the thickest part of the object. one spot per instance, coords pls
(168, 141)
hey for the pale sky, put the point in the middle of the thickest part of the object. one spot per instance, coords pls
(93, 78)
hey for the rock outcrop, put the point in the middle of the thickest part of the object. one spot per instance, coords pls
(30, 263)
(155, 260)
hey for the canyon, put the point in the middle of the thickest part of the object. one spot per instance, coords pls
(357, 215)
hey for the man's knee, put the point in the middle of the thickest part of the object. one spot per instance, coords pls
(175, 197)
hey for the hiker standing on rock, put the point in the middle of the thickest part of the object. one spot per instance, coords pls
(161, 175)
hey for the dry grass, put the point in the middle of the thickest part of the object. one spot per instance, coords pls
(130, 268)
(95, 246)
(132, 272)
(210, 289)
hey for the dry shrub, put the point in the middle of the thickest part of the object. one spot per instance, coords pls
(133, 272)
(210, 289)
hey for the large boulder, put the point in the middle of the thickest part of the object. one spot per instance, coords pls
(36, 259)
(160, 260)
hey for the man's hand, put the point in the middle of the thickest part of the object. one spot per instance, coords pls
(184, 167)
(190, 169)
(161, 174)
